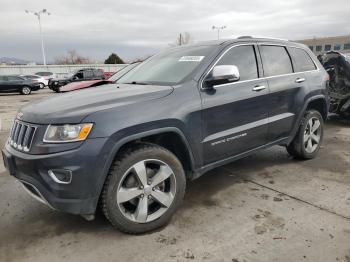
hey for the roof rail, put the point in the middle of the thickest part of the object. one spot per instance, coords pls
(274, 38)
(244, 36)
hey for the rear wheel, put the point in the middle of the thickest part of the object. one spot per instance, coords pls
(143, 190)
(26, 90)
(41, 85)
(308, 139)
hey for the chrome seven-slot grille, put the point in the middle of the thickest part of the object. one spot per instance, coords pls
(21, 136)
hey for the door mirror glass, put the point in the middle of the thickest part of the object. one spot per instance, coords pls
(222, 74)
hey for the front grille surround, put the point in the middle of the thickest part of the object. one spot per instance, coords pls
(22, 135)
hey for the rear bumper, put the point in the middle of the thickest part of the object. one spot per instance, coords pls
(80, 196)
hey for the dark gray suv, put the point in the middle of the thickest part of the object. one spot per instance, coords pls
(131, 146)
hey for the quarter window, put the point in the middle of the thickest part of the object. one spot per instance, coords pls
(276, 60)
(301, 60)
(244, 58)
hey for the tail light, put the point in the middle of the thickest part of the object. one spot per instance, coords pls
(327, 77)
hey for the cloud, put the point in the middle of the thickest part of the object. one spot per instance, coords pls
(139, 28)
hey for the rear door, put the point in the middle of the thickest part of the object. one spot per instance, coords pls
(286, 90)
(235, 115)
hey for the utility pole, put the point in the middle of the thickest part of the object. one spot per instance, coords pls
(38, 15)
(218, 28)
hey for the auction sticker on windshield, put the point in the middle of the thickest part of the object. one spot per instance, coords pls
(191, 58)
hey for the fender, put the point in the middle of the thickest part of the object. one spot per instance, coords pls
(123, 141)
(302, 113)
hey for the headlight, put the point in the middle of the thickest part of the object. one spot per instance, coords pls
(67, 133)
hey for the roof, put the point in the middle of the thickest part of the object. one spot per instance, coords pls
(246, 39)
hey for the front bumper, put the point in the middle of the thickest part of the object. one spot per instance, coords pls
(86, 164)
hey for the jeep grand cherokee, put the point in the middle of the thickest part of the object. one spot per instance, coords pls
(132, 146)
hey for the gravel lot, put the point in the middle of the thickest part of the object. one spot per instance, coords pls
(267, 207)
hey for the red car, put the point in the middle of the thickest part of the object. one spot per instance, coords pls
(97, 82)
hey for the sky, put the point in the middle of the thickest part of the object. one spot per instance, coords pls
(136, 29)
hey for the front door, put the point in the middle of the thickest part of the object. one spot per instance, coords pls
(235, 115)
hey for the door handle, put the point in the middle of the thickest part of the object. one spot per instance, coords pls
(300, 80)
(259, 88)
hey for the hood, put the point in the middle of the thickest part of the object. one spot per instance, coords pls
(75, 106)
(82, 84)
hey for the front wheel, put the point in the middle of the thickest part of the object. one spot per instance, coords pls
(26, 90)
(144, 188)
(308, 139)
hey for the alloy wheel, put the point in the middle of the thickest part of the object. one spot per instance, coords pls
(312, 135)
(26, 90)
(146, 191)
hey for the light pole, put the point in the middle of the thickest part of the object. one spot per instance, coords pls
(218, 28)
(38, 15)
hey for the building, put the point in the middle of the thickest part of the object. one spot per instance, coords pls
(324, 44)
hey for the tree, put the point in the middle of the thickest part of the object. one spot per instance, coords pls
(114, 59)
(72, 58)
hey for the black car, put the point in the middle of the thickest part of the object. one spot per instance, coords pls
(338, 67)
(12, 83)
(131, 146)
(80, 75)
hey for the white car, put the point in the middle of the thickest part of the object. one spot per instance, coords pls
(40, 79)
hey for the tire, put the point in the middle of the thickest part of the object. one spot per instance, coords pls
(128, 214)
(25, 90)
(306, 142)
(42, 85)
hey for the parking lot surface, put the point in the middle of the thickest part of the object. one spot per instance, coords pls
(266, 207)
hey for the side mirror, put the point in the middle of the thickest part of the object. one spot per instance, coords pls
(222, 74)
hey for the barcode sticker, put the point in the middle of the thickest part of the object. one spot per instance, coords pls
(191, 58)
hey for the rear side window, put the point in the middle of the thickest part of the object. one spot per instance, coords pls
(88, 74)
(244, 58)
(301, 60)
(276, 60)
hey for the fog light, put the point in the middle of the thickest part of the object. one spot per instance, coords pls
(61, 176)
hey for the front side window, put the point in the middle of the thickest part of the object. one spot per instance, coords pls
(276, 60)
(301, 60)
(168, 68)
(244, 58)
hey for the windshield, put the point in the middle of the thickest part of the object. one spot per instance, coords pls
(169, 67)
(122, 72)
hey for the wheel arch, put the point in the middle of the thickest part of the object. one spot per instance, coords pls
(156, 136)
(318, 103)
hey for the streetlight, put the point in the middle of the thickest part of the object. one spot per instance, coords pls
(38, 15)
(218, 28)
